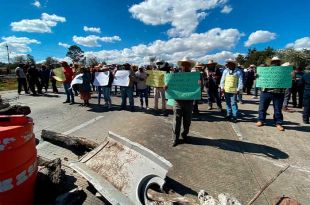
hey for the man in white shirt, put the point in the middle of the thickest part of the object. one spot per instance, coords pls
(231, 84)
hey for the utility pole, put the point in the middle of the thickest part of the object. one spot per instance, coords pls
(7, 50)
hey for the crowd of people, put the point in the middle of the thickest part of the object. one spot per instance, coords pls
(214, 82)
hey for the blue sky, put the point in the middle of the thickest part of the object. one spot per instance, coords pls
(131, 31)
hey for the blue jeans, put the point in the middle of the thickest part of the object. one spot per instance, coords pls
(231, 104)
(68, 91)
(106, 91)
(143, 93)
(265, 100)
(127, 92)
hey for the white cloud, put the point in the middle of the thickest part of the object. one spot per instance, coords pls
(219, 57)
(36, 4)
(93, 40)
(196, 46)
(17, 46)
(92, 29)
(65, 45)
(226, 9)
(260, 37)
(299, 44)
(42, 25)
(183, 15)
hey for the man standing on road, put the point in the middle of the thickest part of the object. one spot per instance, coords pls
(231, 85)
(182, 108)
(160, 92)
(21, 79)
(33, 75)
(276, 95)
(68, 72)
(127, 91)
(141, 87)
(213, 77)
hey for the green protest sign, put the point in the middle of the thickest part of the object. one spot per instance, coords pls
(274, 77)
(183, 86)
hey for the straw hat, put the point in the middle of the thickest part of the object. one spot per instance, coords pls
(188, 60)
(211, 62)
(286, 64)
(231, 61)
(275, 58)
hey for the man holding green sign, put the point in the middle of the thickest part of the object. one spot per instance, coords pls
(184, 88)
(273, 80)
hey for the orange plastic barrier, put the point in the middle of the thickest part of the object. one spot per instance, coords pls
(18, 160)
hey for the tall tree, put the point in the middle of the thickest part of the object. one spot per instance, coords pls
(92, 61)
(299, 58)
(75, 53)
(240, 59)
(50, 61)
(19, 59)
(30, 59)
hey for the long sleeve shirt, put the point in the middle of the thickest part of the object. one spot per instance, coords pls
(237, 72)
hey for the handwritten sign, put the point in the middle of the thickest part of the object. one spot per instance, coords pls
(274, 77)
(77, 80)
(101, 78)
(155, 78)
(59, 74)
(121, 78)
(231, 83)
(171, 102)
(183, 86)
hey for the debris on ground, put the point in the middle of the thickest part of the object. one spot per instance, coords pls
(7, 109)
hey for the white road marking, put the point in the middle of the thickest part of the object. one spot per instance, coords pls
(82, 125)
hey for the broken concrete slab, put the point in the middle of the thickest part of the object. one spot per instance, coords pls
(122, 170)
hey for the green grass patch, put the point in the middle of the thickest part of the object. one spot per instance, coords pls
(8, 84)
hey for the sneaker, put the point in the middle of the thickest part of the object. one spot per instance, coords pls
(259, 124)
(67, 101)
(234, 120)
(209, 108)
(280, 127)
(72, 103)
(147, 108)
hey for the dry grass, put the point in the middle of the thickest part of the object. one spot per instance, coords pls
(8, 84)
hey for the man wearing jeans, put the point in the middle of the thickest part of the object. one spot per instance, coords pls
(141, 87)
(68, 72)
(127, 91)
(276, 95)
(231, 84)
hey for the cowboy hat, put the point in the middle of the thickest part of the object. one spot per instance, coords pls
(275, 58)
(231, 61)
(211, 62)
(188, 60)
(198, 65)
(286, 64)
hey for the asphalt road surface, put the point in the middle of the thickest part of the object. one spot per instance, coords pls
(221, 158)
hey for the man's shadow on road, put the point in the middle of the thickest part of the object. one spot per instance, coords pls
(240, 146)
